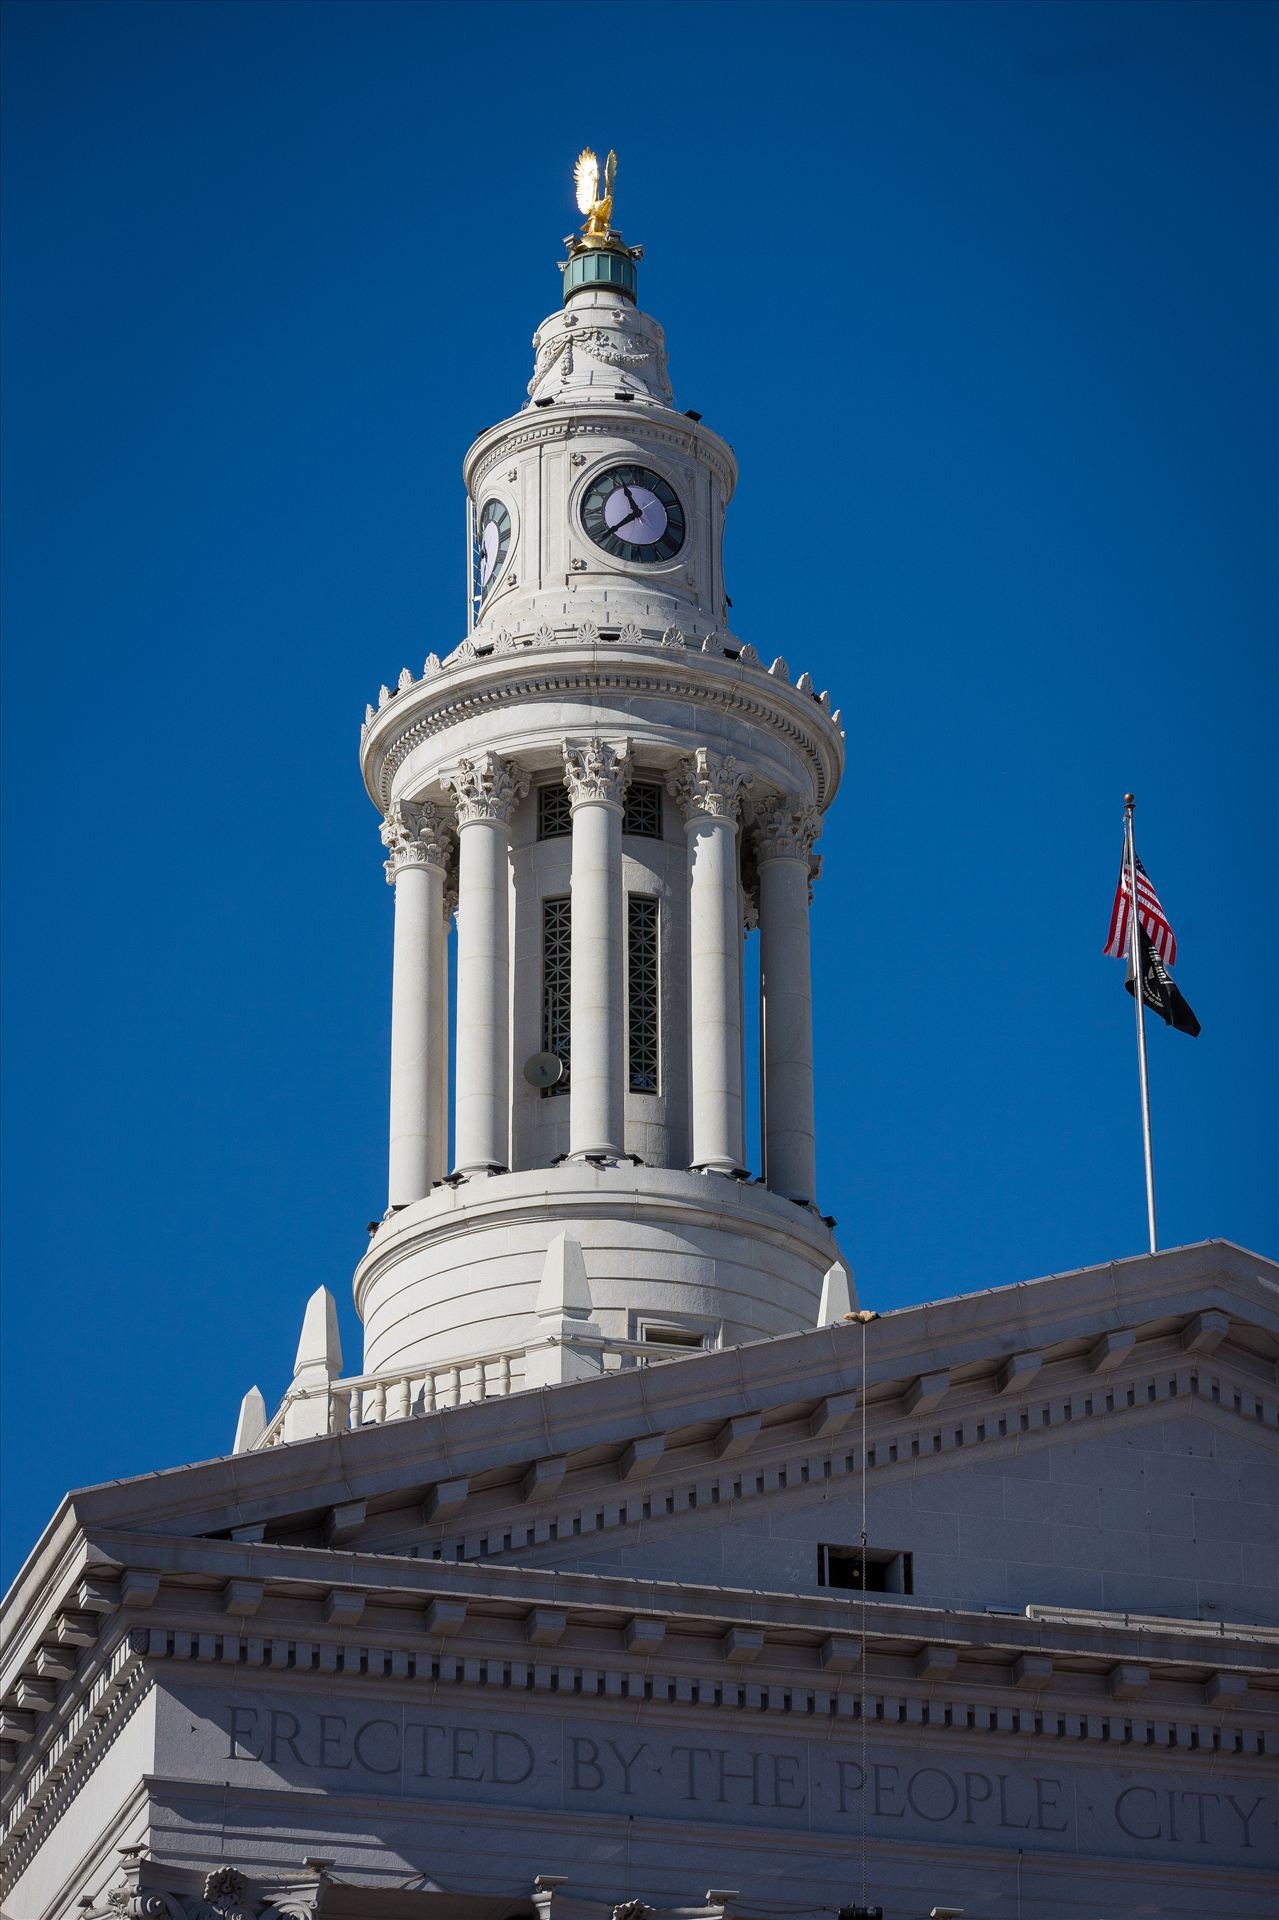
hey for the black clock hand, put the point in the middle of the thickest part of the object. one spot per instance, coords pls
(636, 513)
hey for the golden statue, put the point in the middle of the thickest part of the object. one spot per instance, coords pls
(599, 212)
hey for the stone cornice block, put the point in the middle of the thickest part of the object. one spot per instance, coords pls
(15, 1725)
(242, 1596)
(76, 1629)
(642, 1635)
(1205, 1333)
(55, 1663)
(1111, 1350)
(1220, 1689)
(8, 1756)
(641, 1455)
(1128, 1681)
(546, 1626)
(543, 1478)
(95, 1594)
(1031, 1669)
(832, 1414)
(344, 1522)
(343, 1606)
(935, 1663)
(39, 1695)
(1018, 1370)
(742, 1643)
(737, 1435)
(445, 1616)
(445, 1498)
(927, 1392)
(840, 1653)
(138, 1588)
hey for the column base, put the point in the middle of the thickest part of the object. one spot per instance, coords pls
(724, 1167)
(480, 1168)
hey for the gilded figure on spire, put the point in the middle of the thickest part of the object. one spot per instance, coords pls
(598, 207)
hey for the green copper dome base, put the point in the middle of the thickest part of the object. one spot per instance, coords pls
(600, 267)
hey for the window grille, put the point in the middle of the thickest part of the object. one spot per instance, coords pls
(642, 812)
(554, 812)
(641, 992)
(557, 942)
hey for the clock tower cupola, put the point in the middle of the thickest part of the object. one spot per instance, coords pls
(602, 794)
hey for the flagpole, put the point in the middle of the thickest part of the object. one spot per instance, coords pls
(1139, 1000)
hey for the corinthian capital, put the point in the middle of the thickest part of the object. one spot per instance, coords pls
(785, 829)
(415, 834)
(486, 788)
(708, 783)
(597, 771)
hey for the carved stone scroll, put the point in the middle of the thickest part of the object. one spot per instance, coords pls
(597, 770)
(415, 835)
(486, 787)
(708, 783)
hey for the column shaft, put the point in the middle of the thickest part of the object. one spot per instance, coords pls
(416, 838)
(597, 1105)
(786, 988)
(708, 788)
(416, 1159)
(597, 774)
(482, 1077)
(486, 789)
(715, 1003)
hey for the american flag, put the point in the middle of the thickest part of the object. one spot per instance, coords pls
(1149, 911)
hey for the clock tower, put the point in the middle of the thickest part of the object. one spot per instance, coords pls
(608, 792)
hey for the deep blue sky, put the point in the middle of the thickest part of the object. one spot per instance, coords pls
(983, 296)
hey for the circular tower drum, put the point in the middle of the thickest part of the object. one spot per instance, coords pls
(606, 789)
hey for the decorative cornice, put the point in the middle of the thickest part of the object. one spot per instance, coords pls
(785, 828)
(655, 665)
(486, 788)
(597, 770)
(596, 419)
(708, 783)
(416, 835)
(899, 1446)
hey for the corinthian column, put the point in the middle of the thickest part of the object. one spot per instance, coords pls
(708, 789)
(486, 789)
(417, 840)
(785, 830)
(597, 776)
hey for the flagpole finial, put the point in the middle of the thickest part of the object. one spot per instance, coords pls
(1130, 799)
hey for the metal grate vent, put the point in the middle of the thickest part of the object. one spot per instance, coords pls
(641, 992)
(554, 812)
(557, 944)
(642, 813)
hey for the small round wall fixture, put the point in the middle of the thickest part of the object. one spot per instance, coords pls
(544, 1070)
(493, 542)
(633, 514)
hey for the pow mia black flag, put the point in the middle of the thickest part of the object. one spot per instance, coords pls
(1159, 990)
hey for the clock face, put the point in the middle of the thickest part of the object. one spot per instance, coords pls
(634, 514)
(493, 542)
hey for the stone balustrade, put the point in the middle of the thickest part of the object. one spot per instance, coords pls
(371, 1399)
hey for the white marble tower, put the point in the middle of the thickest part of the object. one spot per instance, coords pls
(607, 791)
